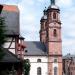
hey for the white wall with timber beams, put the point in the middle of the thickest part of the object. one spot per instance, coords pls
(10, 44)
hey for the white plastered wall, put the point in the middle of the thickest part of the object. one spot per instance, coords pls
(34, 64)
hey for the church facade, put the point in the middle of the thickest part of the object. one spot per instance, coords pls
(45, 56)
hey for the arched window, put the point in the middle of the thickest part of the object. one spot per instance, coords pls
(39, 71)
(55, 70)
(38, 60)
(55, 33)
(54, 15)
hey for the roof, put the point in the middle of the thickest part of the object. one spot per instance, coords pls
(35, 48)
(68, 56)
(11, 8)
(11, 15)
(53, 7)
(9, 57)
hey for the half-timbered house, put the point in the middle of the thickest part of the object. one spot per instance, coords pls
(14, 46)
(14, 42)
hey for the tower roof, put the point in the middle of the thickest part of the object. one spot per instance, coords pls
(53, 5)
(52, 2)
(45, 14)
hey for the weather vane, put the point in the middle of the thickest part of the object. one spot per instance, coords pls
(52, 2)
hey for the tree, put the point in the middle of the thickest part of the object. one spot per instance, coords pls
(26, 67)
(2, 36)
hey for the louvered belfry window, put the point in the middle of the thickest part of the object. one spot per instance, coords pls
(55, 32)
(54, 15)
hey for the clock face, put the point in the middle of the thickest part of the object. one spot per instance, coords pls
(51, 24)
(45, 17)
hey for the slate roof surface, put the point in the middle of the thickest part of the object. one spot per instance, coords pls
(11, 15)
(68, 56)
(35, 48)
(9, 57)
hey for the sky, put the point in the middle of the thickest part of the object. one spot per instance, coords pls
(31, 12)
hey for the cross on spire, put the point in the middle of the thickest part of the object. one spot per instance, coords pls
(52, 2)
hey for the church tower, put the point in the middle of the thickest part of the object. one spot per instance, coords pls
(43, 22)
(53, 40)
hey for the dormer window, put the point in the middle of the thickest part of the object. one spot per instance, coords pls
(54, 15)
(26, 51)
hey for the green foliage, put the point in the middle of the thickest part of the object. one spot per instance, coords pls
(2, 31)
(4, 72)
(1, 53)
(26, 67)
(2, 36)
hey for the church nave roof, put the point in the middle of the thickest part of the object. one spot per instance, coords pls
(35, 48)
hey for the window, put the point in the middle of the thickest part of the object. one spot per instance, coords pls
(55, 70)
(55, 60)
(39, 60)
(54, 15)
(39, 71)
(55, 33)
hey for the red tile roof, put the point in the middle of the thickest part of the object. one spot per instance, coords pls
(11, 8)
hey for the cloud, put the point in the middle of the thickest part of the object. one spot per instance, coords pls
(68, 46)
(68, 29)
(41, 1)
(64, 3)
(30, 19)
(9, 2)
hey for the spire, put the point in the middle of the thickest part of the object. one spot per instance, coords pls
(52, 2)
(45, 11)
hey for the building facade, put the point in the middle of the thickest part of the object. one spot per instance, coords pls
(49, 49)
(69, 64)
(14, 42)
